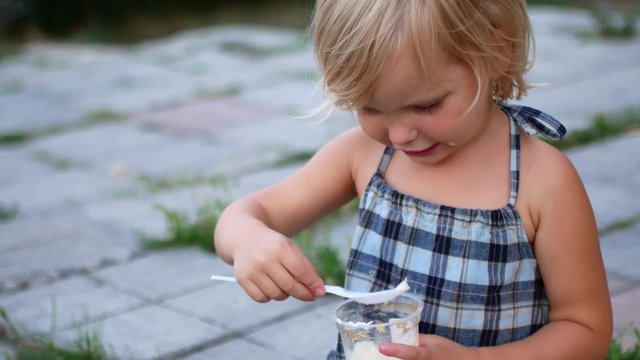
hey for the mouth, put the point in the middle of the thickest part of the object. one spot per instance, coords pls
(425, 152)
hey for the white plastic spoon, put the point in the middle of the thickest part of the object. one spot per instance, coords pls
(361, 297)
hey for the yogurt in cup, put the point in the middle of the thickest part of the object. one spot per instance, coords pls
(363, 327)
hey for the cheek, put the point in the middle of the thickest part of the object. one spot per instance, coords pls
(374, 129)
(438, 126)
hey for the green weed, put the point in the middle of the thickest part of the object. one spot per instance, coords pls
(94, 118)
(14, 138)
(155, 185)
(615, 25)
(315, 243)
(620, 225)
(55, 162)
(603, 126)
(101, 116)
(8, 213)
(252, 51)
(9, 51)
(617, 352)
(294, 158)
(324, 258)
(219, 93)
(25, 346)
(184, 231)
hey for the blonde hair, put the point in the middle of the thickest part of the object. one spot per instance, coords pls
(353, 40)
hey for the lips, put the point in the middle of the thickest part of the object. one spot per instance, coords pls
(425, 152)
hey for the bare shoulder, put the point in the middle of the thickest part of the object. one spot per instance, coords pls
(548, 178)
(362, 153)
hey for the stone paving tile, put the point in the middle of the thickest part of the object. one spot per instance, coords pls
(133, 150)
(68, 303)
(140, 215)
(576, 104)
(129, 149)
(59, 189)
(202, 116)
(17, 165)
(597, 57)
(123, 140)
(186, 157)
(293, 97)
(27, 233)
(228, 305)
(308, 336)
(260, 179)
(554, 22)
(620, 251)
(626, 316)
(618, 284)
(288, 134)
(148, 333)
(58, 250)
(164, 274)
(603, 164)
(239, 350)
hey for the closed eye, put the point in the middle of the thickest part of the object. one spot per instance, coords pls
(428, 109)
(370, 111)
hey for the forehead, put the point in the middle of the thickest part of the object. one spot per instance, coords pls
(404, 80)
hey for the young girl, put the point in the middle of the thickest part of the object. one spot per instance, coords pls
(490, 225)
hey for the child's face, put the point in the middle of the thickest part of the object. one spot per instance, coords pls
(420, 118)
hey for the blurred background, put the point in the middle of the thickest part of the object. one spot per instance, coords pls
(126, 127)
(127, 21)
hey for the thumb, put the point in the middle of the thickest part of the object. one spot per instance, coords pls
(400, 351)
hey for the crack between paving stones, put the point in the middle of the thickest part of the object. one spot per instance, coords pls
(237, 334)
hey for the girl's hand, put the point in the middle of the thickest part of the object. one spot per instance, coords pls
(430, 347)
(273, 267)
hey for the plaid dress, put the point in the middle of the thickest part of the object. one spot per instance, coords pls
(474, 268)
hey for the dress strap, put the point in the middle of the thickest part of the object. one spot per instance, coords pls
(533, 122)
(514, 163)
(384, 160)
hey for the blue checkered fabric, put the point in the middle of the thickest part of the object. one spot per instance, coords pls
(474, 268)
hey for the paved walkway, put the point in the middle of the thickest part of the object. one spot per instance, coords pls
(219, 102)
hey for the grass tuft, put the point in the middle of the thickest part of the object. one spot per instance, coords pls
(97, 117)
(155, 185)
(185, 231)
(294, 158)
(87, 346)
(620, 225)
(603, 126)
(618, 352)
(8, 213)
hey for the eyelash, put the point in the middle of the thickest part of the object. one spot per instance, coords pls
(429, 109)
(425, 110)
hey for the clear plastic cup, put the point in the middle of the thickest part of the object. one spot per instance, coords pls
(364, 327)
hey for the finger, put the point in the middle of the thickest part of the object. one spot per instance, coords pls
(423, 340)
(400, 351)
(268, 286)
(303, 271)
(253, 290)
(290, 285)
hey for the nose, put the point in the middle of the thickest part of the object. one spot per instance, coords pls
(401, 132)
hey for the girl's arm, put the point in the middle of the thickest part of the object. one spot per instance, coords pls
(567, 250)
(253, 233)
